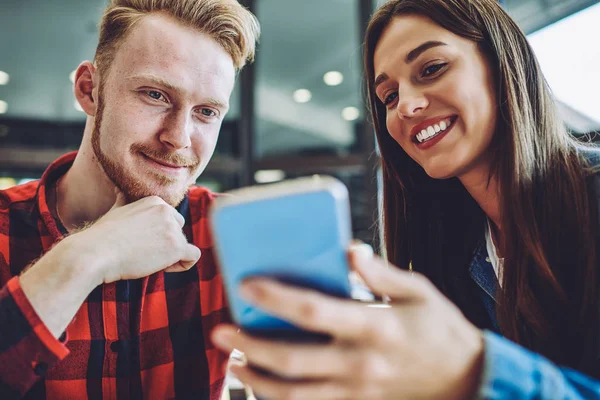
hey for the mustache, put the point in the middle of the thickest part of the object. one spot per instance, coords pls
(165, 156)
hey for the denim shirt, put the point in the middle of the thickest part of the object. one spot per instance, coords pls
(510, 371)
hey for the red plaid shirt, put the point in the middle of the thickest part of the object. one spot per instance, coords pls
(137, 339)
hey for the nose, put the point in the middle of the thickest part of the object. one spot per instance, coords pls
(411, 102)
(178, 130)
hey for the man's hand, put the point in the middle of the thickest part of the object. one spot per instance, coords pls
(138, 239)
(129, 242)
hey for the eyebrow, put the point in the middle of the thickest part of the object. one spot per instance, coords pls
(410, 57)
(158, 81)
(422, 48)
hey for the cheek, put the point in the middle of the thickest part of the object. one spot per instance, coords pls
(475, 99)
(133, 119)
(205, 141)
(393, 126)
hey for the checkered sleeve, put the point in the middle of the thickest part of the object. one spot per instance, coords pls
(27, 348)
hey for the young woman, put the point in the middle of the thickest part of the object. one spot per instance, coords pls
(488, 199)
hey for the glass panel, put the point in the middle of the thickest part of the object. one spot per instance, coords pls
(297, 111)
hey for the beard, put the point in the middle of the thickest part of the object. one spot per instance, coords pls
(133, 188)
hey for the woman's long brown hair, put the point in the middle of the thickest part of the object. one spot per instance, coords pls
(549, 216)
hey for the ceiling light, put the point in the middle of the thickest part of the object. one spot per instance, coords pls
(72, 76)
(77, 106)
(350, 113)
(3, 78)
(269, 175)
(3, 107)
(333, 78)
(302, 96)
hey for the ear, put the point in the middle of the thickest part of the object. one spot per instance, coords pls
(86, 87)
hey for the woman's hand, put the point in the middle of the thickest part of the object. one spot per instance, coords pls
(421, 347)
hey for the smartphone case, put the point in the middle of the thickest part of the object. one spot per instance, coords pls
(295, 231)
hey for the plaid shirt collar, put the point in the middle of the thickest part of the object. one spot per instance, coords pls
(48, 223)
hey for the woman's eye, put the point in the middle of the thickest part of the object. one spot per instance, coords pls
(390, 98)
(432, 69)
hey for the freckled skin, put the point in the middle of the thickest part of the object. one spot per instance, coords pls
(136, 117)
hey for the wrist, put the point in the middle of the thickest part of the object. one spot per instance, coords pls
(470, 378)
(58, 283)
(84, 262)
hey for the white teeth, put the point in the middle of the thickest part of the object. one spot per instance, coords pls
(433, 130)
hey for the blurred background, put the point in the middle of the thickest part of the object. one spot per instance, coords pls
(298, 110)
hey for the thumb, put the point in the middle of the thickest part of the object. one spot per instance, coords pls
(180, 266)
(120, 200)
(386, 279)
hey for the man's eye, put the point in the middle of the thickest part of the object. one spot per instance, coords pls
(207, 112)
(154, 94)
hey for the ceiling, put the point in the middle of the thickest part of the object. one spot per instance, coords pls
(42, 41)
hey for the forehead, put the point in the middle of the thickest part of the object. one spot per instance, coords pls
(161, 46)
(405, 33)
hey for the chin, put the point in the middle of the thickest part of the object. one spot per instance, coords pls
(440, 173)
(171, 194)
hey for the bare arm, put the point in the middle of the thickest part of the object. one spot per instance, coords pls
(58, 283)
(131, 241)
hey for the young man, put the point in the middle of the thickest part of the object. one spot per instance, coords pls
(104, 292)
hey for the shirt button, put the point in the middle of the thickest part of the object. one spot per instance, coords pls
(487, 259)
(40, 368)
(115, 346)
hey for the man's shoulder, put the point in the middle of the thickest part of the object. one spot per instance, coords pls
(201, 197)
(19, 194)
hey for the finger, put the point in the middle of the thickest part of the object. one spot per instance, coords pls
(178, 217)
(161, 205)
(386, 279)
(178, 267)
(311, 310)
(273, 388)
(289, 360)
(188, 260)
(191, 255)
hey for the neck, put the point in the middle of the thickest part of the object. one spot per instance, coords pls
(85, 193)
(485, 191)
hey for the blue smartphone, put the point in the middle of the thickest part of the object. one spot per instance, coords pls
(295, 231)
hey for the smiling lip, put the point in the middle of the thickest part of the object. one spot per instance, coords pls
(429, 122)
(164, 165)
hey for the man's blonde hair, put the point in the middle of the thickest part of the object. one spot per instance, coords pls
(234, 27)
